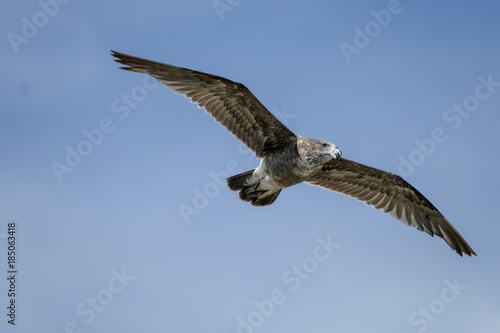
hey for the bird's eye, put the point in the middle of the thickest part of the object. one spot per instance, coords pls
(325, 144)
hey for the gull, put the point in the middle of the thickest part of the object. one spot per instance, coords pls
(287, 159)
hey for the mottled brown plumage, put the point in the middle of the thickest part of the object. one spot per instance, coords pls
(230, 103)
(392, 194)
(288, 159)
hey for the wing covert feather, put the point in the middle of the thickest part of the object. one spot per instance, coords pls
(392, 194)
(230, 103)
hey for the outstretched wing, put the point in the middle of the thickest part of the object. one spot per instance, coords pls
(230, 103)
(392, 194)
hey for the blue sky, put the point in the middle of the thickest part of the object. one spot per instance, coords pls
(102, 244)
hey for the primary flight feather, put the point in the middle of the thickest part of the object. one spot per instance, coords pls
(287, 159)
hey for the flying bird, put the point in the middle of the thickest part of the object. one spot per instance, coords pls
(288, 159)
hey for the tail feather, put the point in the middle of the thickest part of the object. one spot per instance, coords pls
(265, 201)
(237, 182)
(250, 193)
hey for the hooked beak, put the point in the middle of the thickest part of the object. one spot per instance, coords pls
(337, 153)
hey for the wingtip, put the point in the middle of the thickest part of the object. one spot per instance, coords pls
(115, 54)
(468, 251)
(471, 253)
(120, 58)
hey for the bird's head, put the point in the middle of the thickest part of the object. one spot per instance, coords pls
(317, 152)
